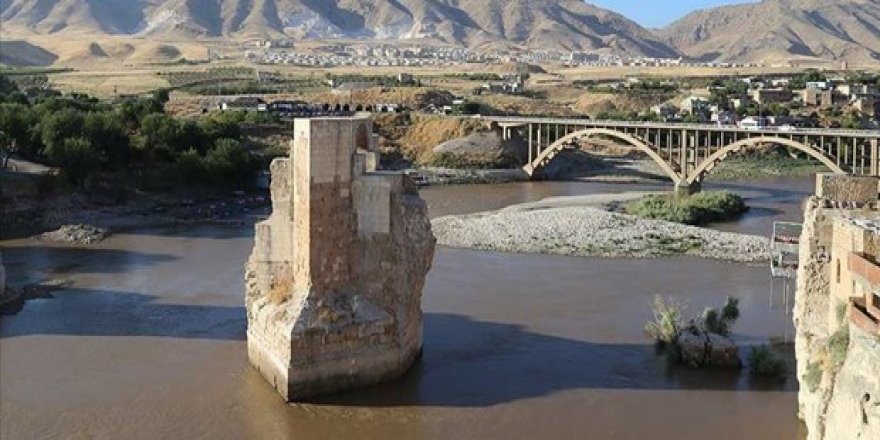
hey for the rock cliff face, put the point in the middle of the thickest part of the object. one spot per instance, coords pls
(838, 361)
(335, 281)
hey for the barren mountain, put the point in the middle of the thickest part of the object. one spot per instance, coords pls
(775, 30)
(559, 24)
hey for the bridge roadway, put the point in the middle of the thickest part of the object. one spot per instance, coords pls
(688, 152)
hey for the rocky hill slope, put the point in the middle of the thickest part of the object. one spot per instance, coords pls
(558, 24)
(774, 30)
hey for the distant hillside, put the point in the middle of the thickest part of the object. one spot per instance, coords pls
(23, 54)
(775, 30)
(772, 30)
(548, 24)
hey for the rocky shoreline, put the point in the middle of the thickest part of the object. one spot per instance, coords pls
(82, 219)
(572, 229)
(76, 234)
(433, 176)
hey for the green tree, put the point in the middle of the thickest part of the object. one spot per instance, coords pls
(190, 168)
(7, 86)
(55, 128)
(17, 98)
(78, 159)
(161, 95)
(229, 164)
(691, 119)
(8, 147)
(193, 135)
(225, 125)
(160, 136)
(17, 121)
(133, 111)
(107, 133)
(851, 120)
(800, 80)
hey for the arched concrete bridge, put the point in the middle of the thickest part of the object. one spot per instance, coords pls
(688, 152)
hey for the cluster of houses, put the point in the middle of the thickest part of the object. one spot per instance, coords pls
(815, 96)
(286, 109)
(593, 59)
(510, 85)
(371, 56)
(366, 55)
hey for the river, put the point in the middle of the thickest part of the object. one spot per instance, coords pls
(147, 340)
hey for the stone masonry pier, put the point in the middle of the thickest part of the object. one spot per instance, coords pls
(335, 280)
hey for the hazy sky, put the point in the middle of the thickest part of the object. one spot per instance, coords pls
(658, 13)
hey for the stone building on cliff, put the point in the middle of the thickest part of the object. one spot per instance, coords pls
(836, 315)
(334, 284)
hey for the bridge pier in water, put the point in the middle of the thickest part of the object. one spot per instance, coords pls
(334, 284)
(686, 189)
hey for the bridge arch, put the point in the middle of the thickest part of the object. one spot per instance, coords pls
(561, 143)
(695, 176)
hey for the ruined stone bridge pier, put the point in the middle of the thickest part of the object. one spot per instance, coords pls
(334, 284)
(688, 152)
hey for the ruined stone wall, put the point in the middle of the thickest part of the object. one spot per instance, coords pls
(335, 280)
(839, 398)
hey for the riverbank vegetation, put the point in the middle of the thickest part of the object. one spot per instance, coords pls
(697, 209)
(764, 362)
(130, 143)
(769, 166)
(767, 161)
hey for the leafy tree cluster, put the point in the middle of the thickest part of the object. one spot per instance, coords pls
(622, 115)
(641, 88)
(861, 77)
(87, 138)
(652, 88)
(377, 80)
(724, 90)
(248, 87)
(800, 80)
(475, 76)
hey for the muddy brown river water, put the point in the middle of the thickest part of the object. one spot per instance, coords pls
(147, 341)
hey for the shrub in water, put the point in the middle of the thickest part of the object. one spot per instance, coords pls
(764, 362)
(666, 325)
(720, 321)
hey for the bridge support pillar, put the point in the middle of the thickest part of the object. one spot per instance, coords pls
(683, 188)
(875, 149)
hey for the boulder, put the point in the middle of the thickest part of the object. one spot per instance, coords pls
(701, 349)
(76, 234)
(484, 149)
